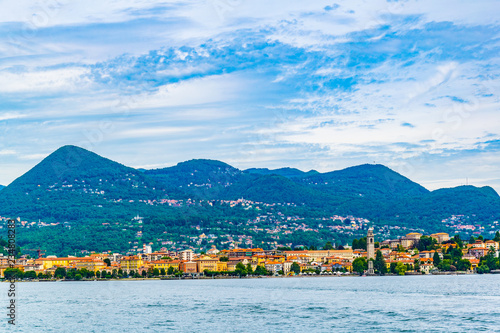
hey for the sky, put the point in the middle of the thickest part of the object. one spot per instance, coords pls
(322, 85)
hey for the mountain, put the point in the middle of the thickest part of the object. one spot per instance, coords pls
(285, 172)
(96, 202)
(200, 178)
(70, 183)
(483, 202)
(74, 184)
(367, 180)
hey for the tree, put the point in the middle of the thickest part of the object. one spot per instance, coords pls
(249, 269)
(359, 265)
(261, 270)
(13, 273)
(98, 274)
(497, 237)
(436, 259)
(490, 260)
(472, 240)
(295, 268)
(416, 265)
(359, 244)
(30, 275)
(107, 261)
(144, 273)
(483, 269)
(401, 268)
(463, 265)
(240, 269)
(162, 272)
(170, 270)
(445, 265)
(223, 259)
(156, 272)
(426, 243)
(393, 268)
(60, 273)
(379, 263)
(328, 246)
(458, 241)
(78, 277)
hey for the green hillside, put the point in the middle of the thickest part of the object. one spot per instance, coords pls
(285, 172)
(95, 201)
(73, 183)
(368, 180)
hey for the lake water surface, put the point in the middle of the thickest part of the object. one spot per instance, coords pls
(315, 304)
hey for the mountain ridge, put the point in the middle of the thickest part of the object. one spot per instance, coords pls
(78, 177)
(95, 203)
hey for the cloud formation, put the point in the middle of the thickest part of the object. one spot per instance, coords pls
(315, 85)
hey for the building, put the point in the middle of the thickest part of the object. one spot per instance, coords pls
(50, 262)
(320, 255)
(132, 263)
(189, 267)
(491, 244)
(90, 264)
(213, 250)
(441, 237)
(186, 255)
(414, 235)
(407, 242)
(206, 263)
(274, 266)
(165, 264)
(221, 266)
(146, 249)
(478, 252)
(370, 249)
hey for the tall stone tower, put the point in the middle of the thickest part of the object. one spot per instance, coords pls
(370, 251)
(370, 244)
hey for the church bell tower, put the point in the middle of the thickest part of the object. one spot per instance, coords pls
(370, 250)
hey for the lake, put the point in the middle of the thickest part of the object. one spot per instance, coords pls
(316, 304)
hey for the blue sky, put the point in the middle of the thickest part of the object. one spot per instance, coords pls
(322, 85)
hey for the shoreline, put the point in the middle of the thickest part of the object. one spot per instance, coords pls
(249, 277)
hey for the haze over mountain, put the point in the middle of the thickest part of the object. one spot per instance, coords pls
(74, 184)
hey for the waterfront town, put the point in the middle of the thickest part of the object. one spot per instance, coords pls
(412, 254)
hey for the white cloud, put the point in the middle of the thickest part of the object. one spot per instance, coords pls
(10, 115)
(7, 152)
(43, 81)
(193, 92)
